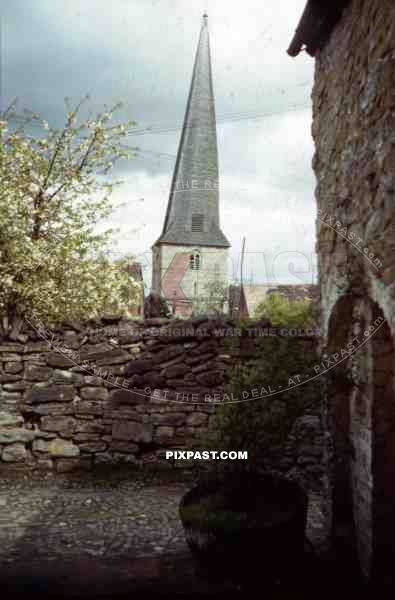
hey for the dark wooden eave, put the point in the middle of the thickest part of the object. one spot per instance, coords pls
(316, 24)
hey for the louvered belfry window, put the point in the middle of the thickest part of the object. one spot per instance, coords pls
(194, 261)
(197, 222)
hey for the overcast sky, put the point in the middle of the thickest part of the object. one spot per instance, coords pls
(141, 52)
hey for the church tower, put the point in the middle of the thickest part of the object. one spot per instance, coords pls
(190, 256)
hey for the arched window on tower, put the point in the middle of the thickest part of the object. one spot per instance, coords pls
(195, 260)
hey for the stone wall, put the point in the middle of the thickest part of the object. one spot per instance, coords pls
(89, 393)
(117, 391)
(353, 129)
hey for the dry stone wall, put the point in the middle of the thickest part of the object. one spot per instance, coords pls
(123, 391)
(89, 393)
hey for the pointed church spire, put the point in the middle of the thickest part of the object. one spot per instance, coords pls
(192, 216)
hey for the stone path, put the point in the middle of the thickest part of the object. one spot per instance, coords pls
(107, 516)
(98, 535)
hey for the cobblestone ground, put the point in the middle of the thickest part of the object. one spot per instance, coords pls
(58, 518)
(89, 535)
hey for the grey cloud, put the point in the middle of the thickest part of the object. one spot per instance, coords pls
(141, 52)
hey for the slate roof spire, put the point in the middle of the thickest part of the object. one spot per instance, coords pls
(192, 216)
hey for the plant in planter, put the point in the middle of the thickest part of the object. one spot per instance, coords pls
(242, 518)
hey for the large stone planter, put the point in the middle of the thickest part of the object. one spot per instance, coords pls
(246, 529)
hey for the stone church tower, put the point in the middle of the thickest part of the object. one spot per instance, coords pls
(190, 256)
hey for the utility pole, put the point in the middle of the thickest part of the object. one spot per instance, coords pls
(242, 261)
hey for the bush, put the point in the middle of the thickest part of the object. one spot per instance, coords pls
(293, 313)
(261, 425)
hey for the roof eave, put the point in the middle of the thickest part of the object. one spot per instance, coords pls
(317, 22)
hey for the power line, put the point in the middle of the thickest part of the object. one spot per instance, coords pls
(230, 118)
(172, 157)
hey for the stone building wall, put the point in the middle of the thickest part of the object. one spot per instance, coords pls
(353, 130)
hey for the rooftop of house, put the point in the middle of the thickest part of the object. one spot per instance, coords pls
(316, 25)
(255, 294)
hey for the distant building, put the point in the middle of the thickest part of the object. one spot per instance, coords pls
(244, 300)
(190, 256)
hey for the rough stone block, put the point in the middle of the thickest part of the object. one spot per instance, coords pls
(14, 453)
(44, 435)
(10, 357)
(210, 378)
(87, 437)
(10, 420)
(93, 446)
(173, 361)
(131, 431)
(123, 447)
(17, 386)
(208, 346)
(40, 445)
(129, 397)
(50, 408)
(9, 377)
(168, 353)
(55, 393)
(190, 377)
(175, 371)
(62, 448)
(173, 419)
(153, 380)
(196, 419)
(114, 357)
(114, 458)
(68, 465)
(67, 377)
(7, 348)
(89, 426)
(13, 367)
(89, 407)
(92, 381)
(33, 347)
(44, 464)
(164, 435)
(126, 413)
(193, 360)
(180, 384)
(37, 373)
(10, 436)
(63, 425)
(56, 359)
(138, 367)
(94, 393)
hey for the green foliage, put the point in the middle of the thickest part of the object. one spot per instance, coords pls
(212, 299)
(263, 424)
(282, 311)
(54, 190)
(165, 310)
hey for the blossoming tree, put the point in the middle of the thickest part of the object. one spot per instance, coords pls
(55, 188)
